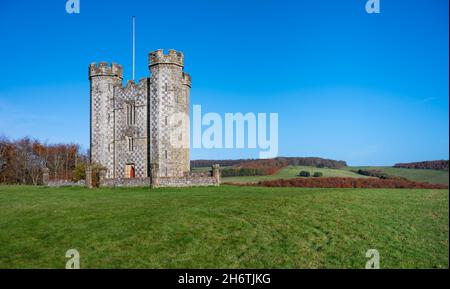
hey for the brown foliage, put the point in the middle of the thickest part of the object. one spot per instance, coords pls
(336, 182)
(22, 161)
(266, 166)
(433, 165)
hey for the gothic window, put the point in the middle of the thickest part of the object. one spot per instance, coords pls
(166, 87)
(165, 152)
(130, 141)
(131, 116)
(165, 120)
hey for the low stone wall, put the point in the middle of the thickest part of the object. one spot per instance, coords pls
(208, 178)
(200, 174)
(65, 183)
(124, 182)
(188, 181)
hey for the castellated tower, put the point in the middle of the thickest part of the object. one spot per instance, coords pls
(104, 78)
(140, 131)
(169, 102)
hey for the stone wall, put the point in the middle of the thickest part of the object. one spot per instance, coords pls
(188, 181)
(66, 183)
(125, 182)
(161, 182)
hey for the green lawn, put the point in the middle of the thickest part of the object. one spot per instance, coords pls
(223, 227)
(290, 172)
(419, 175)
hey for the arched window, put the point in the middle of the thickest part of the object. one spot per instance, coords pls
(131, 116)
(130, 141)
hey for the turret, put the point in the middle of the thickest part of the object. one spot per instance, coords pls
(104, 78)
(170, 97)
(186, 79)
(173, 57)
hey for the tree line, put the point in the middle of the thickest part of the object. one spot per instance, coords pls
(430, 165)
(291, 161)
(23, 161)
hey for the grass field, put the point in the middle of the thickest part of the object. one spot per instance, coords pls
(418, 175)
(290, 172)
(223, 227)
(430, 176)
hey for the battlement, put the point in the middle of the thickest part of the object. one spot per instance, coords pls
(186, 79)
(131, 83)
(173, 57)
(104, 69)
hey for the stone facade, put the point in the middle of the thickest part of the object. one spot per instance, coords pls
(140, 131)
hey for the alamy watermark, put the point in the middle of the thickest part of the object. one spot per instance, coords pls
(373, 6)
(74, 261)
(230, 131)
(374, 261)
(73, 6)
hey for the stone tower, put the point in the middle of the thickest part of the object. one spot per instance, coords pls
(169, 114)
(140, 131)
(104, 78)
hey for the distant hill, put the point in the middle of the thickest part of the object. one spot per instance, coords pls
(432, 165)
(292, 161)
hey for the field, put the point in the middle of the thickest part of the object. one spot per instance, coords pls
(223, 227)
(290, 172)
(418, 175)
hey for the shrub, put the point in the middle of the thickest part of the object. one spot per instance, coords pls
(335, 182)
(304, 174)
(238, 172)
(376, 173)
(318, 174)
(79, 173)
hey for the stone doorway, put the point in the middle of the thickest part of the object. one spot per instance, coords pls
(130, 171)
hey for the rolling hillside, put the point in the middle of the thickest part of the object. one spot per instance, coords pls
(418, 175)
(290, 172)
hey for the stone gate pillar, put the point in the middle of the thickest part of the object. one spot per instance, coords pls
(102, 177)
(216, 173)
(89, 177)
(154, 180)
(45, 176)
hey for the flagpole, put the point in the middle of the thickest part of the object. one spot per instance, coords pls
(134, 45)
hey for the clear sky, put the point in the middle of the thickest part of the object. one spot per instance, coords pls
(370, 89)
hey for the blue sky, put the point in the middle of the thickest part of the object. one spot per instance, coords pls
(368, 89)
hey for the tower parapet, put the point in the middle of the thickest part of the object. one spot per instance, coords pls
(104, 69)
(173, 57)
(186, 79)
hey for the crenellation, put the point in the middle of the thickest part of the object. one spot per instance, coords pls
(173, 57)
(105, 69)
